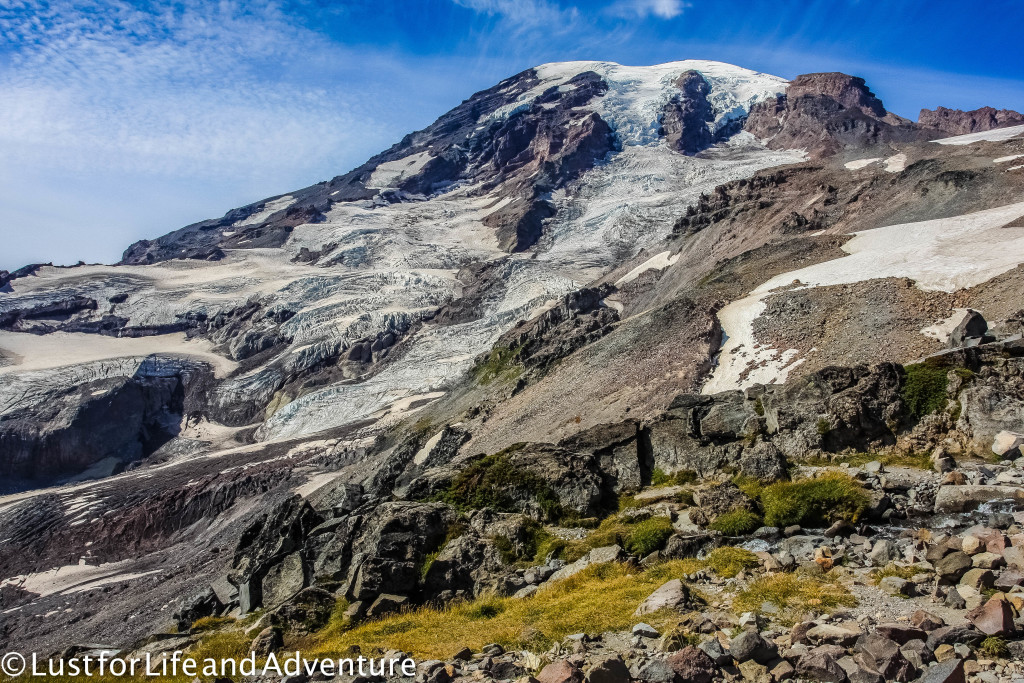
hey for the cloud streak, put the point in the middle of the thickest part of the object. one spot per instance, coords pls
(642, 9)
(166, 89)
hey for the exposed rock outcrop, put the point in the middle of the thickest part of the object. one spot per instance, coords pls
(827, 112)
(959, 122)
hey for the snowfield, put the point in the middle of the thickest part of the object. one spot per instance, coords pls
(995, 135)
(946, 254)
(391, 173)
(637, 94)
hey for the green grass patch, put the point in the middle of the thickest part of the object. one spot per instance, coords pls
(793, 595)
(494, 482)
(728, 561)
(924, 389)
(994, 647)
(737, 523)
(813, 502)
(211, 623)
(649, 535)
(892, 569)
(641, 537)
(500, 364)
(680, 478)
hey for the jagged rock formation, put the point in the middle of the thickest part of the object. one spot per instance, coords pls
(827, 112)
(958, 122)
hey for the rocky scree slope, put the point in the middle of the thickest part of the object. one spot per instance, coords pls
(543, 276)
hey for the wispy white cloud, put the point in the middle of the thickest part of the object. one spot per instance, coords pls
(662, 9)
(166, 89)
(527, 14)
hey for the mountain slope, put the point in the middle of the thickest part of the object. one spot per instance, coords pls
(587, 258)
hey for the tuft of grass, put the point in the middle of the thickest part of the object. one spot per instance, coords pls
(211, 623)
(994, 647)
(641, 537)
(598, 599)
(924, 389)
(728, 561)
(649, 535)
(502, 363)
(824, 426)
(793, 595)
(737, 523)
(627, 502)
(494, 482)
(892, 570)
(813, 502)
(750, 486)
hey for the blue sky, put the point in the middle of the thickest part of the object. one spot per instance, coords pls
(123, 120)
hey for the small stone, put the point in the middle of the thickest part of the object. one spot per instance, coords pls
(818, 665)
(949, 670)
(900, 633)
(1005, 443)
(979, 579)
(883, 552)
(972, 544)
(753, 672)
(560, 671)
(987, 560)
(714, 649)
(894, 585)
(926, 621)
(873, 467)
(671, 595)
(750, 645)
(269, 640)
(610, 669)
(834, 634)
(950, 568)
(646, 631)
(692, 664)
(993, 618)
(1008, 579)
(944, 652)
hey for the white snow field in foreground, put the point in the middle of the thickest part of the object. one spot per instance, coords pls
(984, 136)
(946, 254)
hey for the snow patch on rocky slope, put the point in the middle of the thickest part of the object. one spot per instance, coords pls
(946, 254)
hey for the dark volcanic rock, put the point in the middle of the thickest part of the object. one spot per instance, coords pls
(687, 117)
(826, 112)
(958, 122)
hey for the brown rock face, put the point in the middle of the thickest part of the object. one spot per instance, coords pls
(827, 112)
(685, 118)
(993, 618)
(958, 122)
(851, 92)
(560, 671)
